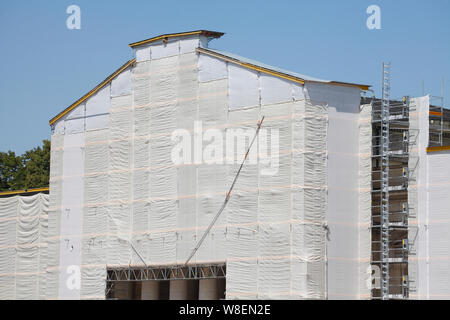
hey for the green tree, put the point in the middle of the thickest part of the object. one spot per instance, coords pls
(36, 166)
(10, 166)
(30, 170)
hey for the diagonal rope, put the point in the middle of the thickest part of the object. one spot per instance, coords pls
(227, 198)
(115, 221)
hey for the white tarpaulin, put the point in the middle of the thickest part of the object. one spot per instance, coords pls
(118, 186)
(428, 200)
(23, 247)
(343, 216)
(133, 193)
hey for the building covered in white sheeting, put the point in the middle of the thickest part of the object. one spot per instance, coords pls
(123, 217)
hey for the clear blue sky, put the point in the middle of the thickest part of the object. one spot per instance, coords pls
(45, 67)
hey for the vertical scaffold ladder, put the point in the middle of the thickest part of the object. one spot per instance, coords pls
(385, 146)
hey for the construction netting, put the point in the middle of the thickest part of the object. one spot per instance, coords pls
(428, 201)
(118, 198)
(23, 247)
(124, 199)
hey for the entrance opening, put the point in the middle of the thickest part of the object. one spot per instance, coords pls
(167, 283)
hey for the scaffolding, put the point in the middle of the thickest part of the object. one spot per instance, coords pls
(436, 125)
(439, 121)
(384, 199)
(390, 179)
(162, 273)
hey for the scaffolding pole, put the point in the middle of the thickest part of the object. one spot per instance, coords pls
(384, 200)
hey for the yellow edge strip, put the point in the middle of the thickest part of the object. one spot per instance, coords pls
(434, 113)
(436, 149)
(92, 92)
(164, 36)
(7, 193)
(361, 86)
(271, 72)
(251, 66)
(275, 73)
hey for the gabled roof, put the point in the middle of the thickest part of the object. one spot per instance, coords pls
(93, 91)
(261, 67)
(206, 33)
(245, 62)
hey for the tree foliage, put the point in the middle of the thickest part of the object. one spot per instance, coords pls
(30, 170)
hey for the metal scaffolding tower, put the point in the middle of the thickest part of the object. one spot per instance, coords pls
(390, 181)
(384, 201)
(436, 126)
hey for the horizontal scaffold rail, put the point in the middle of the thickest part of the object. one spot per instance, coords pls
(160, 273)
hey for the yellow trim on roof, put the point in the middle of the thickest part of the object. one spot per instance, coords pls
(361, 86)
(251, 66)
(437, 149)
(9, 193)
(93, 91)
(364, 87)
(435, 113)
(173, 35)
(273, 72)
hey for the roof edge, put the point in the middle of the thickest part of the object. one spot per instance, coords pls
(92, 92)
(27, 191)
(206, 33)
(437, 149)
(277, 73)
(346, 84)
(251, 66)
(361, 86)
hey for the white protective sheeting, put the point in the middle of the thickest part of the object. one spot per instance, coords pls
(189, 44)
(144, 199)
(60, 126)
(75, 121)
(158, 50)
(97, 109)
(99, 103)
(143, 53)
(439, 224)
(23, 247)
(163, 50)
(94, 113)
(248, 88)
(121, 85)
(418, 140)
(343, 187)
(77, 113)
(429, 204)
(297, 91)
(97, 122)
(204, 42)
(118, 187)
(72, 199)
(243, 87)
(365, 200)
(275, 234)
(211, 68)
(54, 215)
(275, 90)
(95, 215)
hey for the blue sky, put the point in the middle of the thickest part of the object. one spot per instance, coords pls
(45, 67)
